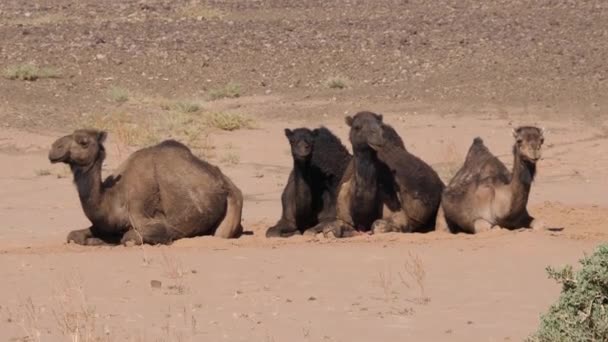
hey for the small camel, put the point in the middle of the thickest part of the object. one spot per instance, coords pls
(159, 194)
(484, 194)
(319, 161)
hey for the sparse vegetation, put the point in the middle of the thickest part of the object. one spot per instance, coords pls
(414, 275)
(336, 83)
(181, 106)
(29, 72)
(174, 271)
(43, 172)
(230, 159)
(230, 90)
(119, 94)
(200, 12)
(581, 312)
(228, 121)
(414, 271)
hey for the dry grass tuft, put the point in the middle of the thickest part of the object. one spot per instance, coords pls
(118, 94)
(200, 11)
(29, 72)
(414, 272)
(43, 172)
(228, 121)
(230, 90)
(336, 83)
(230, 159)
(181, 106)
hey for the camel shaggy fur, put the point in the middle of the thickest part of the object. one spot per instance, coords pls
(484, 194)
(159, 194)
(319, 162)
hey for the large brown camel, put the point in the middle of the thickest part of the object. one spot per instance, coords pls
(159, 194)
(484, 194)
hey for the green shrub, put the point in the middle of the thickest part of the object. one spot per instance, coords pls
(581, 312)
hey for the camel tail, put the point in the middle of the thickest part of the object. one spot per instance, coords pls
(231, 227)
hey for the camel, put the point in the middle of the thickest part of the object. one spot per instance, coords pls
(368, 199)
(419, 186)
(484, 194)
(159, 194)
(319, 161)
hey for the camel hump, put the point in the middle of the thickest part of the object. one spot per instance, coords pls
(172, 143)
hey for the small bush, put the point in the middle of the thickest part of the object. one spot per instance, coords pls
(336, 83)
(119, 94)
(230, 90)
(581, 312)
(228, 121)
(29, 72)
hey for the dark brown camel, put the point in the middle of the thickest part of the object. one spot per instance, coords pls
(368, 197)
(159, 194)
(319, 161)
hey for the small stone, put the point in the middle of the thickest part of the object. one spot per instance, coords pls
(156, 284)
(311, 298)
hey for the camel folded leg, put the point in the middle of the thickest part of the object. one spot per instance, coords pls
(150, 231)
(89, 237)
(283, 228)
(481, 225)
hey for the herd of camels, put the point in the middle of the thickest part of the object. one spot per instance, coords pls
(163, 193)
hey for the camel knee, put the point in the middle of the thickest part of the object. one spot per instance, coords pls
(481, 226)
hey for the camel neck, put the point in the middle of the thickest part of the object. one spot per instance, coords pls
(366, 172)
(521, 179)
(88, 183)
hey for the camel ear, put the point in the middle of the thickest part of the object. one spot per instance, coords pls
(288, 133)
(514, 132)
(379, 117)
(349, 121)
(101, 136)
(315, 132)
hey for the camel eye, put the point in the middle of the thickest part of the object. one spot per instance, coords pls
(542, 141)
(83, 143)
(520, 140)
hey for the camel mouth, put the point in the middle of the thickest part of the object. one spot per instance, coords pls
(376, 145)
(54, 159)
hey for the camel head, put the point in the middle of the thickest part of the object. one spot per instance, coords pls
(81, 148)
(301, 141)
(365, 130)
(528, 142)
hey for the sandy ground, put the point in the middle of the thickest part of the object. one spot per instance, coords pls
(430, 287)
